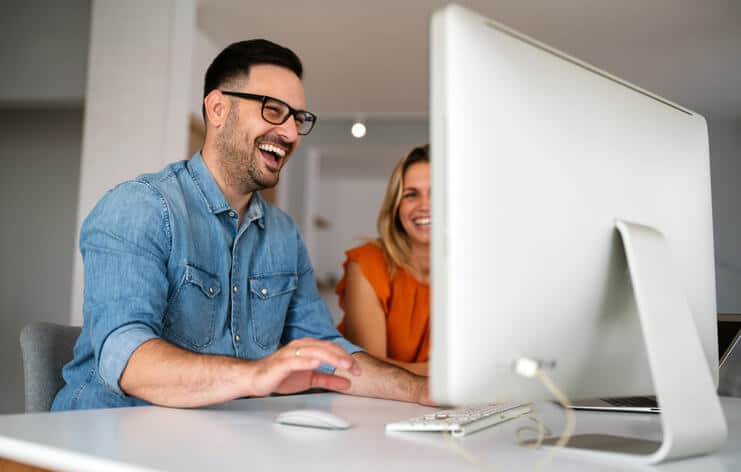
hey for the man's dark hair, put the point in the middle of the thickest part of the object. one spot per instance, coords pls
(238, 57)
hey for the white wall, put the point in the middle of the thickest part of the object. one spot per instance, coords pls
(350, 205)
(204, 52)
(40, 161)
(725, 167)
(41, 40)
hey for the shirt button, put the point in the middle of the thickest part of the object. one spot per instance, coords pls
(232, 214)
(211, 290)
(237, 338)
(264, 291)
(234, 289)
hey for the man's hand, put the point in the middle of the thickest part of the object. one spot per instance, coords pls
(167, 375)
(291, 368)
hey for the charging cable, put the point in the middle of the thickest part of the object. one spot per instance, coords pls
(530, 368)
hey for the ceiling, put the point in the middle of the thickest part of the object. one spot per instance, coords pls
(371, 57)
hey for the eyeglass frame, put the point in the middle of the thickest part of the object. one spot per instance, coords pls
(264, 98)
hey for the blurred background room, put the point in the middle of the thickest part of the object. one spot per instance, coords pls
(94, 92)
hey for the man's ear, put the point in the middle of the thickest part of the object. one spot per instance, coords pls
(217, 108)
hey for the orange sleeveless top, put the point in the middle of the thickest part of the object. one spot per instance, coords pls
(405, 301)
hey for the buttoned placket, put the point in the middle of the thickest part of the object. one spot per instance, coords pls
(240, 294)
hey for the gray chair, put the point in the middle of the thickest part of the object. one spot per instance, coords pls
(46, 347)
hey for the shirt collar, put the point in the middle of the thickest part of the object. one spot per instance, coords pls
(214, 198)
(255, 210)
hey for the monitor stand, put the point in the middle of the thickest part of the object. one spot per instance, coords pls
(691, 415)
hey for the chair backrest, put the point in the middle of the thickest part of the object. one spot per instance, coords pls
(46, 347)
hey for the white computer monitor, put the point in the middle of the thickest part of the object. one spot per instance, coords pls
(546, 170)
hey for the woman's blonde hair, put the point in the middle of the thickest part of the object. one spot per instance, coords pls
(393, 238)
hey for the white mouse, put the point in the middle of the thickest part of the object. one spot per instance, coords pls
(312, 419)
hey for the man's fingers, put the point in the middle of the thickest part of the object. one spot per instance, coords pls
(327, 346)
(305, 363)
(293, 368)
(318, 352)
(326, 352)
(329, 381)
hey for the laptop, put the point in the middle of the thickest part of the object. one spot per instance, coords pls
(645, 404)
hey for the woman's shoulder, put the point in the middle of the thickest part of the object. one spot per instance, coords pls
(368, 253)
(372, 262)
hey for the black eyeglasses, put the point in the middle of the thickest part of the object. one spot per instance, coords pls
(277, 112)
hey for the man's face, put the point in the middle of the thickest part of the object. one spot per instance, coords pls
(252, 151)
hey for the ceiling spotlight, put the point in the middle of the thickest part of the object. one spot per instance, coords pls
(358, 130)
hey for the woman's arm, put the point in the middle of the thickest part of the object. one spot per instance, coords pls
(419, 368)
(365, 321)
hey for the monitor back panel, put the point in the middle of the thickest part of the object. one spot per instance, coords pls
(534, 156)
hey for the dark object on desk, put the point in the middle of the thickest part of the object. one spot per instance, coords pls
(46, 347)
(729, 377)
(646, 404)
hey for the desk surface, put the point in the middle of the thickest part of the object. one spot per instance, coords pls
(241, 435)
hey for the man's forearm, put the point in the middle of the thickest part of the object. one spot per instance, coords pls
(164, 374)
(383, 380)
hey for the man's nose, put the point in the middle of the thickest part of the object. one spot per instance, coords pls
(289, 129)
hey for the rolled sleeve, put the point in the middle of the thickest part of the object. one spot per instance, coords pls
(349, 347)
(117, 351)
(125, 245)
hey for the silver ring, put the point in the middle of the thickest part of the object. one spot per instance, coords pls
(298, 352)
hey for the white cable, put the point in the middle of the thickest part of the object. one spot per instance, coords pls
(530, 368)
(541, 432)
(469, 457)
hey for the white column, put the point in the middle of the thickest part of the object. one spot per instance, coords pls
(136, 100)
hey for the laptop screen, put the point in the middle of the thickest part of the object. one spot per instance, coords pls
(729, 328)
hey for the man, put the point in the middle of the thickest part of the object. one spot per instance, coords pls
(196, 290)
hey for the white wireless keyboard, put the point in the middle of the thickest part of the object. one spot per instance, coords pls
(463, 421)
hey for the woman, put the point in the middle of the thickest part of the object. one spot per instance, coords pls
(385, 290)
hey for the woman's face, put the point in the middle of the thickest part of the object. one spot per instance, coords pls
(414, 209)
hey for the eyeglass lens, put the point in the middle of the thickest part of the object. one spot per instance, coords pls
(277, 113)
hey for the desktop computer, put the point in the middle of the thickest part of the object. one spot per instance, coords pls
(572, 228)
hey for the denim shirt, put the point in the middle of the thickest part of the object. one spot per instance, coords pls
(164, 258)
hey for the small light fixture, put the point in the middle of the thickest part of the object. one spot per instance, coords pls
(358, 129)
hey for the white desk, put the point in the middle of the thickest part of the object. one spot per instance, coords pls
(241, 436)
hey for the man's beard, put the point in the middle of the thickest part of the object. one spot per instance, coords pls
(239, 159)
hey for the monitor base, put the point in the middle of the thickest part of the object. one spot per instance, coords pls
(604, 443)
(691, 416)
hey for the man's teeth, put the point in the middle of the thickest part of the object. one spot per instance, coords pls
(421, 221)
(274, 149)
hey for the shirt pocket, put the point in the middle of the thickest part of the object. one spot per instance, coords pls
(269, 298)
(191, 314)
